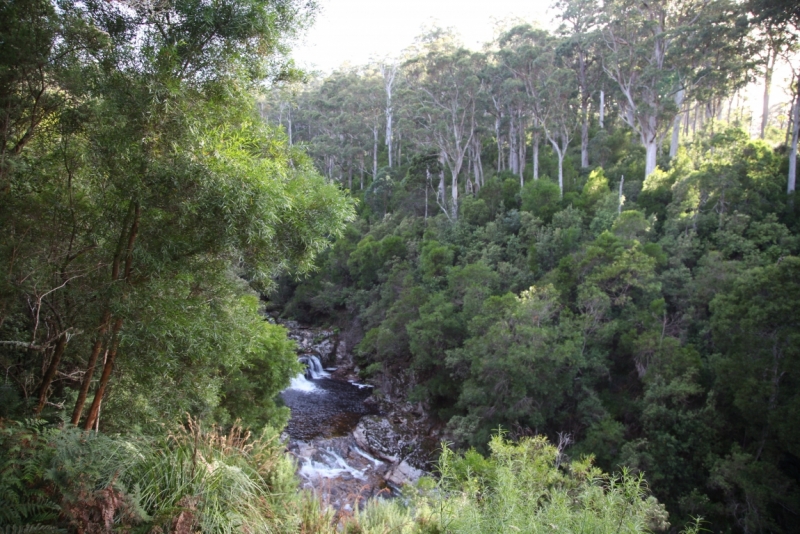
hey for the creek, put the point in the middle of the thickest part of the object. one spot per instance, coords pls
(349, 446)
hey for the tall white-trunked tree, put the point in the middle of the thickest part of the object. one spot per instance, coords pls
(446, 85)
(641, 59)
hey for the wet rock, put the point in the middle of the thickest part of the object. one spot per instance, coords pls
(339, 471)
(403, 473)
(381, 437)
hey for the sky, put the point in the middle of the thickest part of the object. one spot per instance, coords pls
(355, 31)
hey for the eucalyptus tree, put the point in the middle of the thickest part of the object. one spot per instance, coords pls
(777, 11)
(510, 107)
(494, 75)
(559, 119)
(279, 105)
(647, 68)
(445, 84)
(526, 52)
(779, 20)
(775, 37)
(580, 22)
(373, 108)
(345, 114)
(791, 182)
(389, 73)
(551, 88)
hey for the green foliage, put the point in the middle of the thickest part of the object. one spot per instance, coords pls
(521, 487)
(648, 335)
(518, 365)
(542, 198)
(500, 191)
(594, 191)
(205, 480)
(139, 188)
(435, 259)
(145, 201)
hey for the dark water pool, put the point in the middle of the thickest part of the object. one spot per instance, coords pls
(325, 407)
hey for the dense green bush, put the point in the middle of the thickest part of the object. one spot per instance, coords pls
(526, 486)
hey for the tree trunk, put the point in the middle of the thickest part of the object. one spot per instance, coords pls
(454, 193)
(585, 100)
(651, 149)
(602, 109)
(585, 144)
(535, 151)
(87, 376)
(771, 56)
(50, 374)
(479, 164)
(389, 132)
(441, 196)
(133, 213)
(795, 134)
(389, 72)
(560, 155)
(104, 378)
(676, 125)
(497, 119)
(513, 165)
(94, 409)
(375, 154)
(427, 181)
(475, 158)
(522, 147)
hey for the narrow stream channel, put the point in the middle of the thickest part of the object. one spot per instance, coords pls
(335, 450)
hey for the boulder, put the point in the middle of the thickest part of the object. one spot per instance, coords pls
(403, 473)
(381, 438)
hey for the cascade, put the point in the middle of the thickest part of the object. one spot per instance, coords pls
(339, 454)
(314, 368)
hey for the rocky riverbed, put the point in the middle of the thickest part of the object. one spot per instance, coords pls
(351, 441)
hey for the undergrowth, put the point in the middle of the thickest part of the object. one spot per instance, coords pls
(205, 480)
(192, 480)
(521, 488)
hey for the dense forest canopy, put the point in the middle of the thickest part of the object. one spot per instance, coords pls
(574, 233)
(569, 233)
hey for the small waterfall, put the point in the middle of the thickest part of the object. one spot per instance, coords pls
(314, 371)
(314, 368)
(301, 383)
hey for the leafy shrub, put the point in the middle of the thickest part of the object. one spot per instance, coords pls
(542, 198)
(521, 487)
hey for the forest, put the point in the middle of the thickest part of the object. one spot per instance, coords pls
(576, 250)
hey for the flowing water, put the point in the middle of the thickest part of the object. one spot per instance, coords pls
(326, 407)
(347, 450)
(323, 406)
